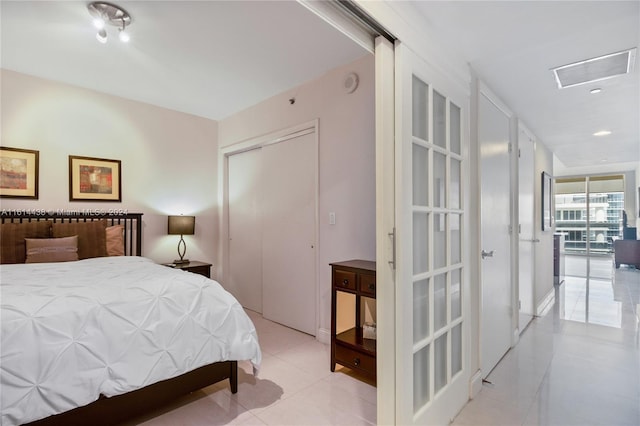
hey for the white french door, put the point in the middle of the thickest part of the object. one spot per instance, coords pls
(432, 285)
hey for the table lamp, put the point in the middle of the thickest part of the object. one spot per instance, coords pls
(181, 225)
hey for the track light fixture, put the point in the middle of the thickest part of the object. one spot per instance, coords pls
(109, 14)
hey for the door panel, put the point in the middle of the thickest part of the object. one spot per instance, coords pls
(288, 232)
(432, 368)
(245, 229)
(493, 138)
(526, 184)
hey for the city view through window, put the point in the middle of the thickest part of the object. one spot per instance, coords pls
(589, 211)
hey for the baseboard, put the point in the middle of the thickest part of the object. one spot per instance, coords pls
(546, 303)
(475, 385)
(324, 336)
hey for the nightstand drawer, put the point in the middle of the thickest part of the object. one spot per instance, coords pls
(202, 270)
(194, 267)
(368, 285)
(344, 279)
(355, 360)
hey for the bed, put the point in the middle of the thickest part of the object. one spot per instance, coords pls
(104, 338)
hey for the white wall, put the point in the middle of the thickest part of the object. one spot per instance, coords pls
(346, 157)
(168, 158)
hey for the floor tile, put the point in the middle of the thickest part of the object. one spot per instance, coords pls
(577, 365)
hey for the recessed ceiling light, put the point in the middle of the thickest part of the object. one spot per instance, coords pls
(596, 90)
(602, 133)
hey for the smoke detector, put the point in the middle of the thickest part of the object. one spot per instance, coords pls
(350, 82)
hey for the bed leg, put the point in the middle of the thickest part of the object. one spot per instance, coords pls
(233, 377)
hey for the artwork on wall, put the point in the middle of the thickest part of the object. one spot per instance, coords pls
(18, 173)
(546, 202)
(94, 179)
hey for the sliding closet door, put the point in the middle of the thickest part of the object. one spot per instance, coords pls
(288, 232)
(245, 229)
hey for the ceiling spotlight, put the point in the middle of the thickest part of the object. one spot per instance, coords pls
(602, 133)
(124, 36)
(102, 36)
(596, 90)
(108, 13)
(98, 23)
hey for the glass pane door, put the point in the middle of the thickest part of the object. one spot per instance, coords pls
(432, 364)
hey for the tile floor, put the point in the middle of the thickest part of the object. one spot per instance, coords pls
(577, 365)
(294, 387)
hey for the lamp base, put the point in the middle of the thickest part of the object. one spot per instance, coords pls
(181, 261)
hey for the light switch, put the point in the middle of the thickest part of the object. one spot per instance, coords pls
(332, 218)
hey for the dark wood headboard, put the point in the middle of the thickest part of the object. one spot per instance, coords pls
(132, 223)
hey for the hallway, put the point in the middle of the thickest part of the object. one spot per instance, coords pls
(579, 364)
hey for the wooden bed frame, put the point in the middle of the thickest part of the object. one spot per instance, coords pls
(110, 411)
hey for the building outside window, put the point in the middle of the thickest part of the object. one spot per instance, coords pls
(603, 223)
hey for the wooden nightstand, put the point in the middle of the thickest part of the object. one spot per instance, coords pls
(194, 266)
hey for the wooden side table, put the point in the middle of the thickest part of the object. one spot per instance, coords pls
(350, 348)
(194, 266)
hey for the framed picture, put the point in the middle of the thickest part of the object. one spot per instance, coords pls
(94, 179)
(547, 214)
(18, 173)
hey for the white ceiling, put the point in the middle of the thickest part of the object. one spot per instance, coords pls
(214, 58)
(207, 58)
(512, 45)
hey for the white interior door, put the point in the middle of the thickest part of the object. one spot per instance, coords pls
(495, 187)
(288, 232)
(526, 185)
(432, 310)
(245, 229)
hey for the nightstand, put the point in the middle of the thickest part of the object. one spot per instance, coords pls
(194, 266)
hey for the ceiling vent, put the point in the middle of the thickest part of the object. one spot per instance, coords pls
(595, 69)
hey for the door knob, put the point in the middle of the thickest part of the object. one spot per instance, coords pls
(486, 254)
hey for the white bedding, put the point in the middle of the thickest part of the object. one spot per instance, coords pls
(74, 330)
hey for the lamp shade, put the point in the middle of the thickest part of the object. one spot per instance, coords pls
(181, 225)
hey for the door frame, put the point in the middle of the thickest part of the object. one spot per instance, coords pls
(532, 238)
(259, 142)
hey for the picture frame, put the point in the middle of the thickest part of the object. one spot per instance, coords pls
(546, 202)
(19, 173)
(94, 179)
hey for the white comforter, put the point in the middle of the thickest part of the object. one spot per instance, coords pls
(72, 331)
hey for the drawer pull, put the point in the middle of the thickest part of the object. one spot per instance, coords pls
(372, 286)
(356, 361)
(345, 282)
